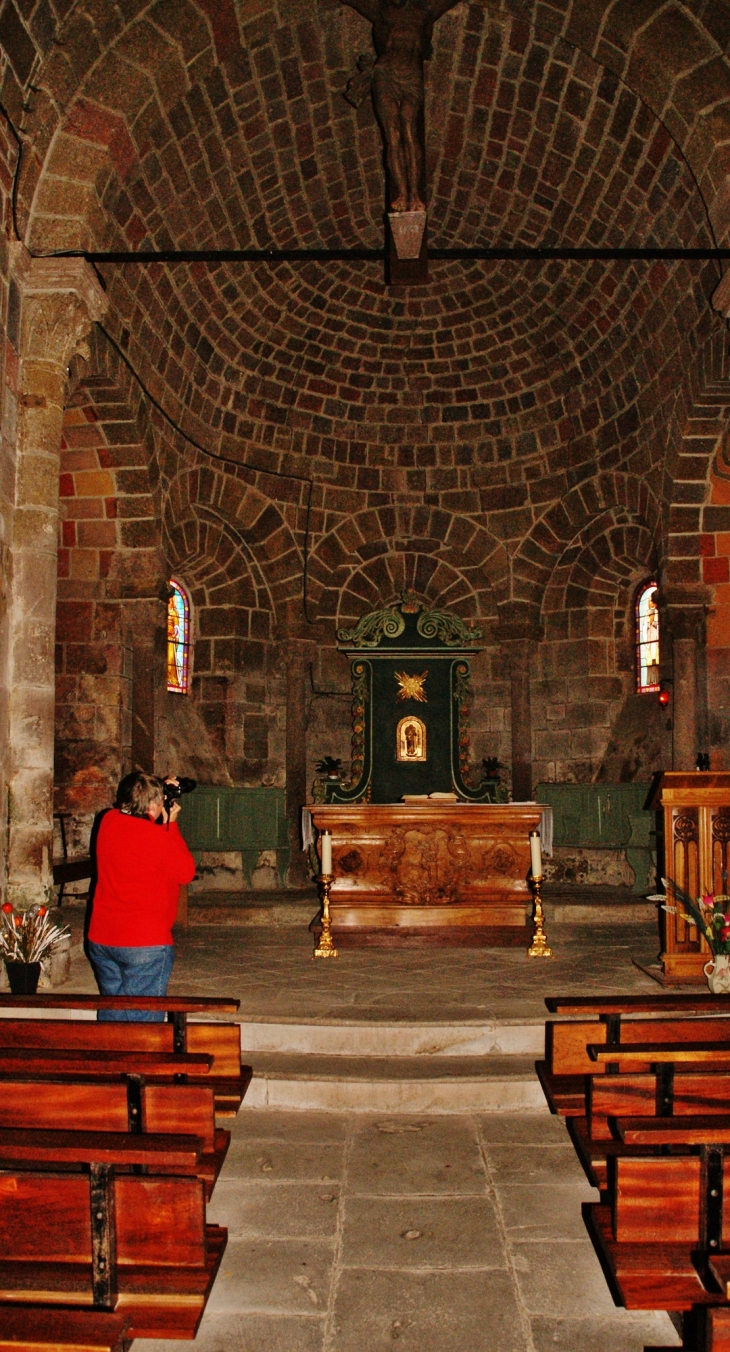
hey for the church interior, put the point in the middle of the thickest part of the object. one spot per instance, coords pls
(342, 343)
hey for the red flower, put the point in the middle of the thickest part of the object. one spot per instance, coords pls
(7, 907)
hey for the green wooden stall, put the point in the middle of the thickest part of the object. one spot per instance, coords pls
(218, 818)
(605, 817)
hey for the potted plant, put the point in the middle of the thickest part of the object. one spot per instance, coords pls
(330, 767)
(25, 938)
(710, 915)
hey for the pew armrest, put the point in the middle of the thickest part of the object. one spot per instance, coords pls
(651, 1053)
(696, 1130)
(100, 1147)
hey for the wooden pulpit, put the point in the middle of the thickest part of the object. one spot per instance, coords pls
(696, 810)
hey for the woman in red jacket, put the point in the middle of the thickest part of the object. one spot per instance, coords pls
(140, 866)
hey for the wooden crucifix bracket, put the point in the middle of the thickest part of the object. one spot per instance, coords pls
(402, 33)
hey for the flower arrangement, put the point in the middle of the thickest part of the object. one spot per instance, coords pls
(710, 914)
(28, 936)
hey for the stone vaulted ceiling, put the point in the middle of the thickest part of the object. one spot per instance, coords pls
(494, 391)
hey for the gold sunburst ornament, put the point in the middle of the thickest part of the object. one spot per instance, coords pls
(411, 687)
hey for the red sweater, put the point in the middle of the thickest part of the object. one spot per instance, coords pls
(140, 867)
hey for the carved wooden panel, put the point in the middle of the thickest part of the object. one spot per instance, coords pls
(431, 866)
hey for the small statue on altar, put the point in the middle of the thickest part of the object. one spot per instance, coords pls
(402, 32)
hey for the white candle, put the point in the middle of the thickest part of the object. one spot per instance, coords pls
(535, 854)
(326, 851)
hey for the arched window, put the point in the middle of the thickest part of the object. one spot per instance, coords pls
(647, 639)
(178, 639)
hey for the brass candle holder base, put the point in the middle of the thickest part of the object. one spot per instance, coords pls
(325, 947)
(539, 947)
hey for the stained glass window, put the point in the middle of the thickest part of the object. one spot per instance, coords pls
(178, 639)
(647, 639)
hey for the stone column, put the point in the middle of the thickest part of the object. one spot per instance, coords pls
(684, 618)
(299, 655)
(684, 715)
(519, 656)
(53, 304)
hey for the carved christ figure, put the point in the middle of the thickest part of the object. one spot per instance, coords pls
(402, 32)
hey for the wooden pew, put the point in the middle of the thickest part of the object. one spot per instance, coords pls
(650, 1118)
(665, 1080)
(178, 1037)
(48, 1060)
(26, 1328)
(132, 1104)
(666, 1018)
(92, 1234)
(683, 1090)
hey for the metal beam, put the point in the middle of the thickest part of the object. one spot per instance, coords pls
(498, 253)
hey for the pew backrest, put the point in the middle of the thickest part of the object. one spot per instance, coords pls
(108, 1105)
(567, 1042)
(25, 1328)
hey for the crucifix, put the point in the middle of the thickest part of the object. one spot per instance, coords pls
(402, 32)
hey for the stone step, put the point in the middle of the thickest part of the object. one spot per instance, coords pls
(371, 1038)
(394, 1084)
(563, 905)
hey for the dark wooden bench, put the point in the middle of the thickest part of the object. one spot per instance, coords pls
(645, 1084)
(179, 1036)
(659, 1235)
(134, 1104)
(91, 1232)
(26, 1328)
(684, 1090)
(627, 1020)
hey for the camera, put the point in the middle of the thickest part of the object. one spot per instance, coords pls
(171, 792)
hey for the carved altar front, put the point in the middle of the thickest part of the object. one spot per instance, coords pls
(432, 872)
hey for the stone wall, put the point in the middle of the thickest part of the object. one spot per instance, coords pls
(522, 442)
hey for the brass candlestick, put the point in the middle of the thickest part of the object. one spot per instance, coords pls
(325, 948)
(539, 947)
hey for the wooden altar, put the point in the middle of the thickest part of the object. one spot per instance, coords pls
(696, 810)
(430, 872)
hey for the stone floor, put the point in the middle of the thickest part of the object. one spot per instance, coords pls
(446, 1234)
(359, 1232)
(272, 973)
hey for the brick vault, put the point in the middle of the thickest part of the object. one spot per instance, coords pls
(522, 441)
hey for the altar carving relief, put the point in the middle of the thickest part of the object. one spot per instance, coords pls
(425, 868)
(500, 860)
(410, 739)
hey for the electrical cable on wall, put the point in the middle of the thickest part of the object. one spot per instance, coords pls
(216, 455)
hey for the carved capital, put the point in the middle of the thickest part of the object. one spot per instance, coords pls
(60, 299)
(684, 613)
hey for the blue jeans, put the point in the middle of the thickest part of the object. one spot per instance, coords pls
(131, 971)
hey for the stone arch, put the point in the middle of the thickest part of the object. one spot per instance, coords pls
(378, 551)
(588, 603)
(208, 510)
(544, 546)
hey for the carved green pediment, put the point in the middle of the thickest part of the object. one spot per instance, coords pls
(451, 630)
(369, 630)
(391, 623)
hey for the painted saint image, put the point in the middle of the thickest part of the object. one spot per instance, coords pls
(411, 739)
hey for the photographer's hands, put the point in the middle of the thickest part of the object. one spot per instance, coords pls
(175, 807)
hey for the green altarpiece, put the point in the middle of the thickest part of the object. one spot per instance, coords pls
(410, 707)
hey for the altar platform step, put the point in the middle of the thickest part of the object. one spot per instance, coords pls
(394, 1084)
(373, 1038)
(564, 904)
